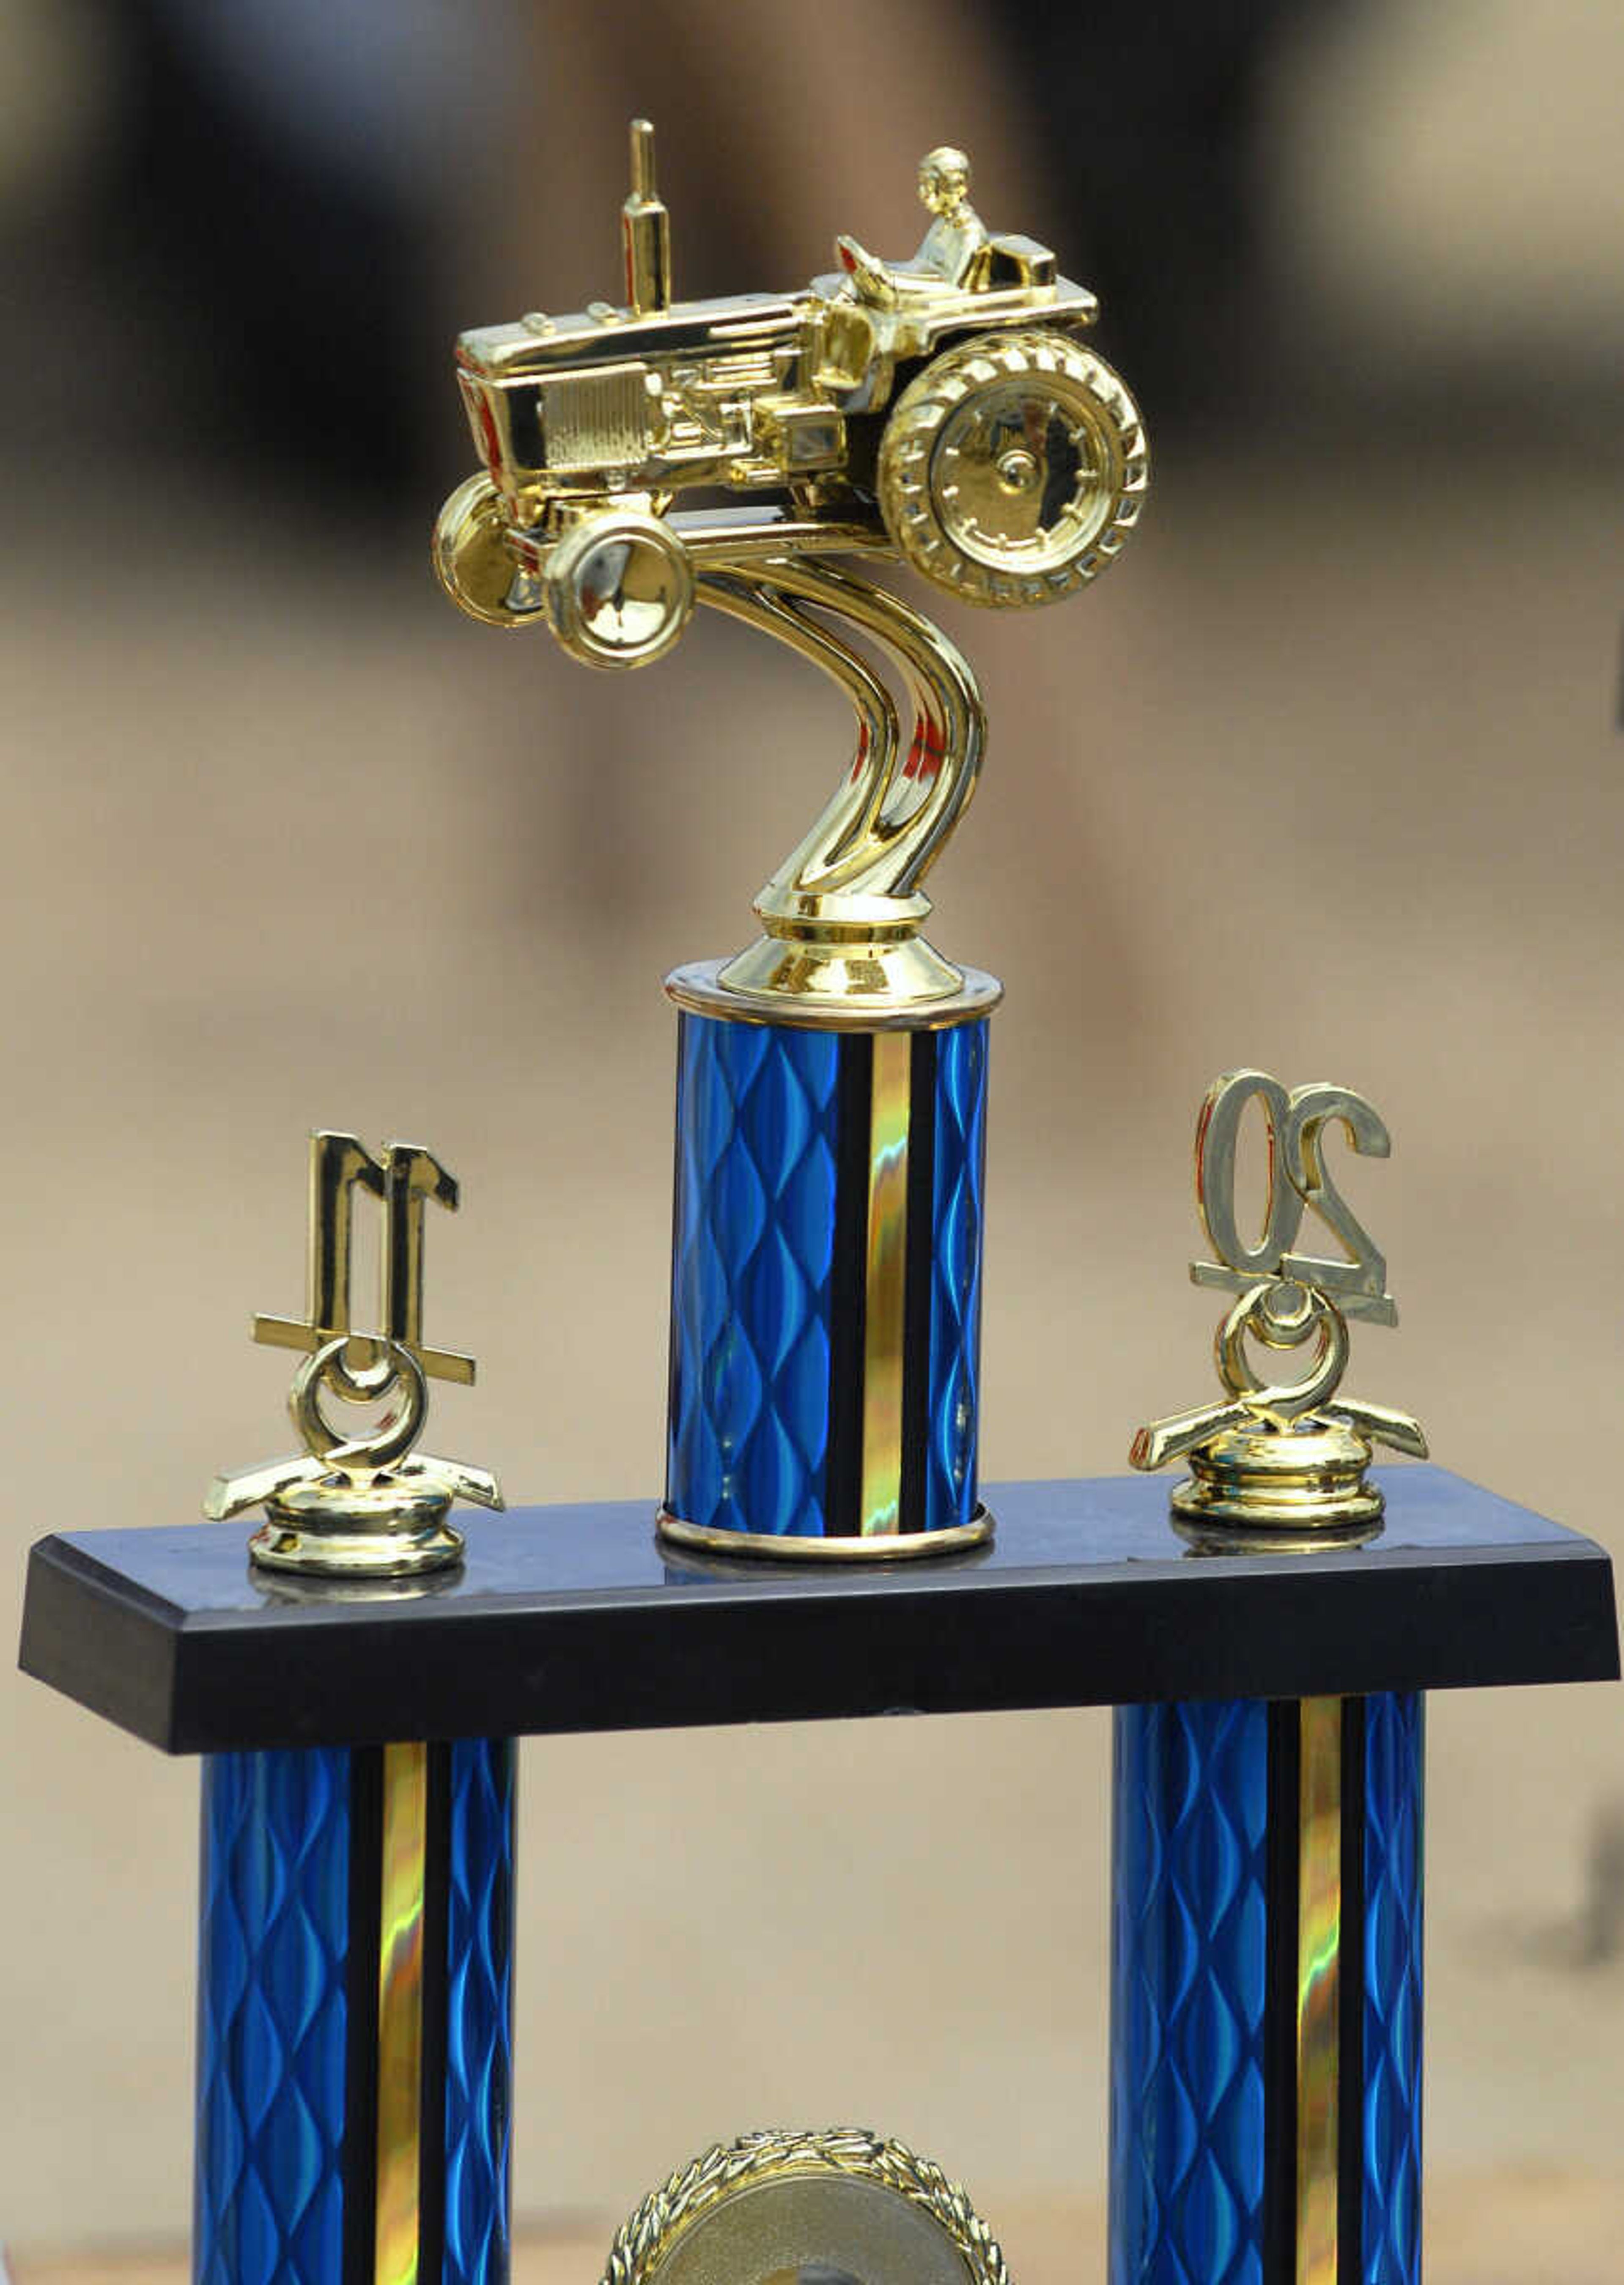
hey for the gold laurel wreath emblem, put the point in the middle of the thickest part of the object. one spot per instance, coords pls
(643, 2239)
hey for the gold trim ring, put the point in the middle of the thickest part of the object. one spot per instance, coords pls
(695, 986)
(844, 1547)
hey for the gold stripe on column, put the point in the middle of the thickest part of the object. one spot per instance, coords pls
(884, 1295)
(400, 2011)
(1319, 1945)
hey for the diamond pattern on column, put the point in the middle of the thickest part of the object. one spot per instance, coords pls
(955, 1274)
(479, 2015)
(272, 2018)
(1395, 1758)
(1188, 1993)
(756, 1132)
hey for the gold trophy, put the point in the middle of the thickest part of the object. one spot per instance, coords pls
(946, 411)
(1278, 1460)
(354, 2025)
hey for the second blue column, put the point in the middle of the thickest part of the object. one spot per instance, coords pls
(1266, 2038)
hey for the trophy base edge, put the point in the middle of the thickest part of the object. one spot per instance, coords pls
(881, 1547)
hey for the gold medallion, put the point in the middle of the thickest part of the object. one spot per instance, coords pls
(842, 2206)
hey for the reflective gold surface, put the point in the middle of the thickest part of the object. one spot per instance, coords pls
(402, 1178)
(698, 985)
(1007, 471)
(942, 409)
(361, 1505)
(1300, 1181)
(804, 2228)
(645, 229)
(400, 2011)
(618, 589)
(885, 1284)
(843, 1547)
(1319, 1956)
(789, 393)
(787, 2206)
(844, 911)
(1283, 1457)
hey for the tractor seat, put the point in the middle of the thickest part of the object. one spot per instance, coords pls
(884, 284)
(1000, 264)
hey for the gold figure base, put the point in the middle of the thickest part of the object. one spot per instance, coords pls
(1280, 1488)
(881, 1547)
(868, 972)
(702, 987)
(388, 1529)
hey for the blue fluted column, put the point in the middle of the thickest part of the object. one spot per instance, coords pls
(826, 1288)
(1266, 2019)
(355, 2016)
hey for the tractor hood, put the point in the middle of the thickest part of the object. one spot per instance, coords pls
(602, 334)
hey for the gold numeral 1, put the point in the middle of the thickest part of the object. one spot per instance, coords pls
(338, 1163)
(411, 1178)
(404, 1180)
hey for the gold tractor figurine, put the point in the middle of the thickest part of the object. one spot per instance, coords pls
(946, 409)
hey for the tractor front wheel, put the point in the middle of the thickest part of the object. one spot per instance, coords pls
(619, 588)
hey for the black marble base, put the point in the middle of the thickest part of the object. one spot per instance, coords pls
(574, 1618)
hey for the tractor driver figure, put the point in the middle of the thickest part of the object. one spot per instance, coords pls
(948, 250)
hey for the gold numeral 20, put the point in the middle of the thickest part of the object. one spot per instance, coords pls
(1300, 1181)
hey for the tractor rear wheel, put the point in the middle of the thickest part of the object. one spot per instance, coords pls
(1013, 468)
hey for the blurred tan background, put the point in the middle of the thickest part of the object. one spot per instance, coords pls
(1325, 776)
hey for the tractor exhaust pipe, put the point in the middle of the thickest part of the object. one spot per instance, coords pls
(645, 230)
